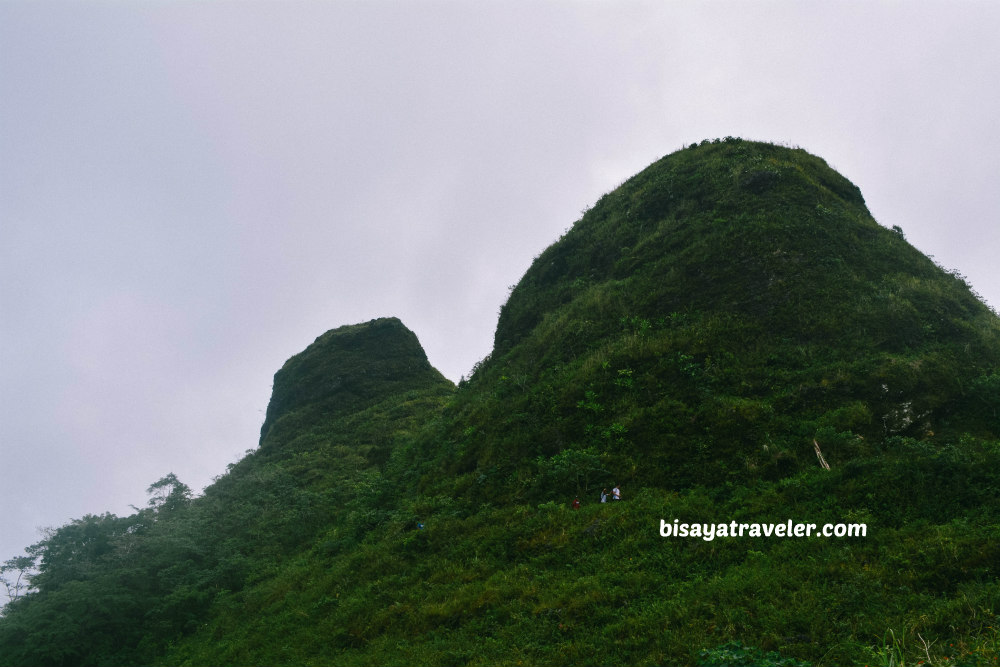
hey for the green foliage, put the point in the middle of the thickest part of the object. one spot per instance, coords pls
(692, 338)
(890, 652)
(15, 575)
(570, 472)
(734, 654)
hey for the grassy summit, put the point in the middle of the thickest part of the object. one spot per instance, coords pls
(709, 319)
(345, 371)
(693, 338)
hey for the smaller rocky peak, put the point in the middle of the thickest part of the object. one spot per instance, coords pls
(350, 368)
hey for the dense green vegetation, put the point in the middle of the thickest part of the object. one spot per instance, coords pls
(118, 591)
(697, 337)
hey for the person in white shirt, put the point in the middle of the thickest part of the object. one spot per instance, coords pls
(616, 493)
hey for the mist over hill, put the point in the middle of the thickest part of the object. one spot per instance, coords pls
(729, 337)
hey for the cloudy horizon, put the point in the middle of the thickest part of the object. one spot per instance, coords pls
(191, 193)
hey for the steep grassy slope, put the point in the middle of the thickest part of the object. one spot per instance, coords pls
(344, 371)
(689, 338)
(708, 320)
(116, 590)
(693, 338)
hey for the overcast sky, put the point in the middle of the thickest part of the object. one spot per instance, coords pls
(191, 193)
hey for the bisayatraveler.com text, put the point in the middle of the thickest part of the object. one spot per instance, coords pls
(710, 531)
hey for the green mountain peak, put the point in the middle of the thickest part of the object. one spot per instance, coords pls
(712, 317)
(346, 370)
